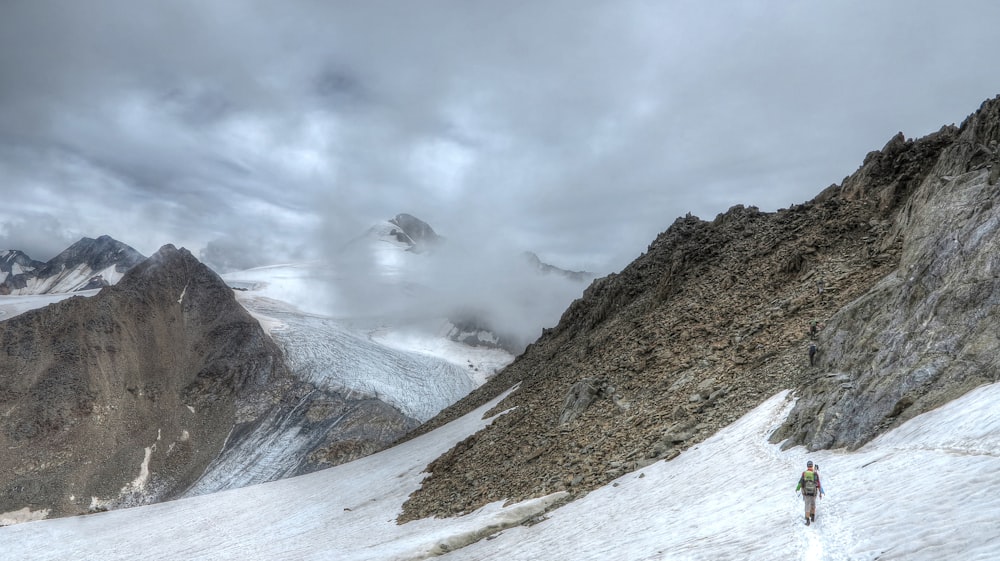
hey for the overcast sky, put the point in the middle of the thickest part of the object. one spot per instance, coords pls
(259, 132)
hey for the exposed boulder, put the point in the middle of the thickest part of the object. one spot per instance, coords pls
(580, 396)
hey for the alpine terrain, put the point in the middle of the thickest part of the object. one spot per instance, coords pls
(164, 386)
(857, 329)
(899, 266)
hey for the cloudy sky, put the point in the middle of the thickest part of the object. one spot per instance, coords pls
(259, 132)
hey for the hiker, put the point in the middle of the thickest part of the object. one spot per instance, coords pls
(810, 487)
(812, 354)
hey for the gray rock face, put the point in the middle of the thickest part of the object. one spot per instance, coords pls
(579, 398)
(305, 430)
(928, 332)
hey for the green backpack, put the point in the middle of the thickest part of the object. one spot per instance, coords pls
(808, 483)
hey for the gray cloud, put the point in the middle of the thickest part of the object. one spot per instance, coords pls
(575, 130)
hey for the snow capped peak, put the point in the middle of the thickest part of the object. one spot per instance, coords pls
(403, 232)
(417, 233)
(98, 254)
(89, 263)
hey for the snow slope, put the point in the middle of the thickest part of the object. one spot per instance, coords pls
(920, 492)
(12, 305)
(69, 280)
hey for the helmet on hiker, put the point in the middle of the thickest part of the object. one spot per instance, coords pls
(809, 464)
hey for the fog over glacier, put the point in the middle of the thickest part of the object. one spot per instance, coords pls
(468, 276)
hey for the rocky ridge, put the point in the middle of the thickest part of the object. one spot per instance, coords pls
(716, 316)
(927, 332)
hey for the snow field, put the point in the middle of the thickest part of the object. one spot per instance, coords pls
(917, 493)
(921, 492)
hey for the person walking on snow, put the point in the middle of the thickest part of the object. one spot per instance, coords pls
(810, 487)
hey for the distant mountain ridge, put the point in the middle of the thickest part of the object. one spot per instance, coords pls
(87, 264)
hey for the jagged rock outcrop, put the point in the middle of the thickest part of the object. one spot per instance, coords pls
(126, 397)
(716, 316)
(927, 333)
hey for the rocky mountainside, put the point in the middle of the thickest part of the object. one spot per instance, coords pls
(85, 265)
(927, 332)
(892, 275)
(126, 397)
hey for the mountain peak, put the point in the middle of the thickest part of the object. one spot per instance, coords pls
(414, 232)
(87, 264)
(149, 373)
